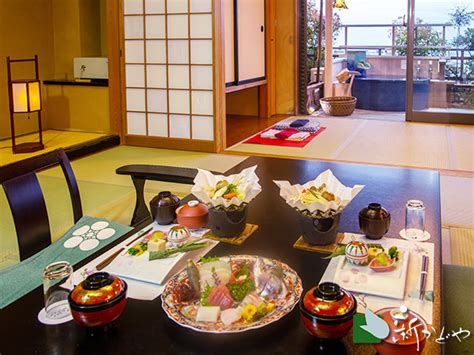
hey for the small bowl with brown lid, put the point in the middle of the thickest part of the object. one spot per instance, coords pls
(374, 221)
(98, 300)
(327, 311)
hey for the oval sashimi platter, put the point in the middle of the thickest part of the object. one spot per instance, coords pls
(231, 294)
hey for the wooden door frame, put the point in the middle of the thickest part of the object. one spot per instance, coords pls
(267, 91)
(117, 109)
(114, 55)
(220, 135)
(117, 102)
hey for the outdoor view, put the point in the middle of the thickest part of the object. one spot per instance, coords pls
(370, 37)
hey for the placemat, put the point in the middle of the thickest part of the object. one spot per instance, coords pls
(248, 231)
(86, 237)
(328, 249)
(283, 143)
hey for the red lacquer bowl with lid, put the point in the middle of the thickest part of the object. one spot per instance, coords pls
(98, 300)
(407, 332)
(327, 311)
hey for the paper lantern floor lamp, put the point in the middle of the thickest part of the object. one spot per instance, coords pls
(25, 98)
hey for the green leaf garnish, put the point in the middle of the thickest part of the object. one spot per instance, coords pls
(204, 296)
(393, 253)
(340, 250)
(208, 259)
(244, 271)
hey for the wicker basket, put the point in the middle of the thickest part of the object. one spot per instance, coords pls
(338, 105)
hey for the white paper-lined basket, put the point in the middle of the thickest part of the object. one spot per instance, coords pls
(344, 195)
(205, 184)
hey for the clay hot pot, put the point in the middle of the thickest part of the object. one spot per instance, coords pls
(193, 215)
(327, 311)
(98, 300)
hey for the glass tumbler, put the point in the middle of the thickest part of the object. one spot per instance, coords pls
(55, 297)
(415, 219)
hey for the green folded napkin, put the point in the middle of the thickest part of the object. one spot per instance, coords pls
(86, 237)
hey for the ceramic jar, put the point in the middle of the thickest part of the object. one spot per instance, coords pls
(357, 252)
(374, 221)
(163, 207)
(177, 235)
(327, 311)
(414, 340)
(98, 300)
(193, 215)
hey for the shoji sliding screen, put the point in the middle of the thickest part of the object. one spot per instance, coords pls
(168, 72)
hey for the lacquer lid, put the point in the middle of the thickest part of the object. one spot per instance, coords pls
(329, 301)
(374, 211)
(98, 288)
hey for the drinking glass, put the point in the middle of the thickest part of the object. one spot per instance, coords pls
(55, 297)
(415, 219)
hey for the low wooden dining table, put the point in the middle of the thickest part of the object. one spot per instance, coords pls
(144, 328)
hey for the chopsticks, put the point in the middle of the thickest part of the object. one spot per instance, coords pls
(111, 258)
(423, 276)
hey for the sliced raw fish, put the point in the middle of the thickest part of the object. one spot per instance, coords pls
(251, 298)
(230, 316)
(220, 296)
(214, 273)
(208, 314)
(268, 280)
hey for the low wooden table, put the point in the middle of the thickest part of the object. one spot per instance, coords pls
(144, 327)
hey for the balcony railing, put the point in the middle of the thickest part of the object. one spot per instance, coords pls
(448, 51)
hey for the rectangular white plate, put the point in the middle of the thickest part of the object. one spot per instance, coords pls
(362, 279)
(155, 271)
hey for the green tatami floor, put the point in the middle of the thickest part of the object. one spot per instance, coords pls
(108, 195)
(104, 193)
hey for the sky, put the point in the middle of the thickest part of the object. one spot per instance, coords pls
(386, 11)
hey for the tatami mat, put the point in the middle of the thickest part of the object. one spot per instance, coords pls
(462, 246)
(446, 246)
(462, 138)
(399, 143)
(457, 201)
(425, 145)
(100, 167)
(51, 139)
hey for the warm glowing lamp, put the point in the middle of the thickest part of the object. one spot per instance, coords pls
(25, 97)
(340, 4)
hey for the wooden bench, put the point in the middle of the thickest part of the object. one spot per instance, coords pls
(141, 173)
